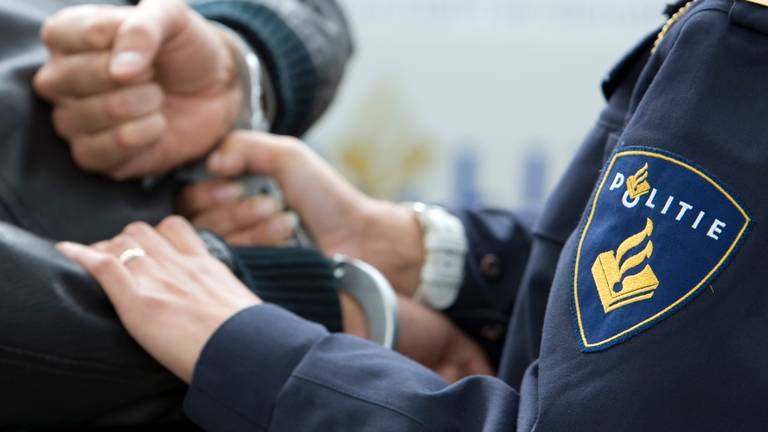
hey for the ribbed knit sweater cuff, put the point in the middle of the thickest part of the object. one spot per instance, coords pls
(298, 279)
(288, 62)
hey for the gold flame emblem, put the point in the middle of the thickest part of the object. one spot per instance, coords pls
(637, 185)
(610, 269)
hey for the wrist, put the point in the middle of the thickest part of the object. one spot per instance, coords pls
(393, 243)
(234, 81)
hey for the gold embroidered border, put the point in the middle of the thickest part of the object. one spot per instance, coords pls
(728, 252)
(760, 2)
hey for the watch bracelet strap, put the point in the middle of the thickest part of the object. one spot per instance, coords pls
(445, 247)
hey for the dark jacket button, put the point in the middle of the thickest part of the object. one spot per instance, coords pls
(492, 332)
(490, 266)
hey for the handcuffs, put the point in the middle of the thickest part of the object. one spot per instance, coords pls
(361, 281)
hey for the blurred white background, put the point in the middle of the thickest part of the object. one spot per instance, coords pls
(477, 100)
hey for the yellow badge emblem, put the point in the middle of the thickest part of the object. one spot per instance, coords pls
(608, 270)
(657, 231)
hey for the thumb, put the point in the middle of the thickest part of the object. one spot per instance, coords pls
(142, 34)
(252, 152)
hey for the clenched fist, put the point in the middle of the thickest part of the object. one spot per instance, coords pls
(138, 90)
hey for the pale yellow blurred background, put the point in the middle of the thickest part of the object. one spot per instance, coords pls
(479, 101)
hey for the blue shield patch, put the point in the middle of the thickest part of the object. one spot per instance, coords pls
(658, 230)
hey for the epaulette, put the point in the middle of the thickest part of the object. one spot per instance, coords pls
(672, 8)
(682, 8)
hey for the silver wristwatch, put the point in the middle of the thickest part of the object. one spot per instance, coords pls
(445, 248)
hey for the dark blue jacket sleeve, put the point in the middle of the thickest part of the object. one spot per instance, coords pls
(266, 369)
(499, 245)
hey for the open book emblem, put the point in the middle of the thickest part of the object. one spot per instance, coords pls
(610, 270)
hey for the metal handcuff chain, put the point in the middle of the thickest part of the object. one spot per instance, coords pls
(361, 281)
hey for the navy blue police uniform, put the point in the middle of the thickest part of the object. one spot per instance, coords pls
(635, 302)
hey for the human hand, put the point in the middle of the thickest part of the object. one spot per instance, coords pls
(221, 207)
(138, 90)
(431, 339)
(172, 299)
(339, 217)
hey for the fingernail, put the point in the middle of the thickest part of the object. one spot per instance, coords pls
(287, 222)
(126, 62)
(229, 192)
(263, 207)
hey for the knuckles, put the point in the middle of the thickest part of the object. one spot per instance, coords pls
(133, 102)
(105, 265)
(97, 33)
(83, 156)
(97, 30)
(138, 230)
(174, 223)
(125, 136)
(140, 133)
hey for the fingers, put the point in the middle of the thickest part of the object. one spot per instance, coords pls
(100, 112)
(179, 233)
(275, 232)
(104, 267)
(226, 219)
(255, 152)
(75, 75)
(120, 244)
(203, 196)
(145, 237)
(140, 36)
(164, 245)
(83, 28)
(215, 206)
(104, 150)
(172, 236)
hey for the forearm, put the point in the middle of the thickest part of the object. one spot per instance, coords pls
(276, 378)
(392, 241)
(498, 248)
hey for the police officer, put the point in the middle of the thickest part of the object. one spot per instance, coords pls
(637, 299)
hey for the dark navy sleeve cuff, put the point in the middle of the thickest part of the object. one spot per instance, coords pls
(244, 366)
(499, 245)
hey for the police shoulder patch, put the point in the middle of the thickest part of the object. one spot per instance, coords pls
(658, 230)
